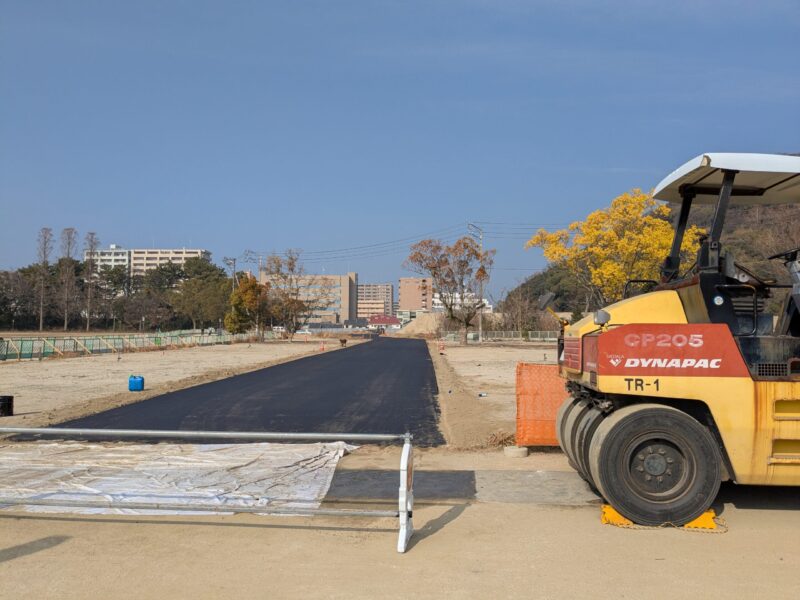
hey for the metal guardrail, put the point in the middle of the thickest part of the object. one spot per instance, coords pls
(543, 336)
(27, 348)
(519, 336)
(404, 512)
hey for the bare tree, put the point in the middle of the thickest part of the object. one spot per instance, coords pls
(459, 273)
(90, 243)
(66, 270)
(17, 296)
(295, 296)
(43, 250)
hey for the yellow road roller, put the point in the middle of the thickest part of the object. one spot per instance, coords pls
(691, 382)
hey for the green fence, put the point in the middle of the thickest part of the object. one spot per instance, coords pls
(21, 348)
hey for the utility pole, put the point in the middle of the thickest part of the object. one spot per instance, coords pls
(231, 262)
(477, 232)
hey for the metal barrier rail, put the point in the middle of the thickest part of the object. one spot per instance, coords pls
(489, 336)
(405, 507)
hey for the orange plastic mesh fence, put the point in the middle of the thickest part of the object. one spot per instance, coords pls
(540, 392)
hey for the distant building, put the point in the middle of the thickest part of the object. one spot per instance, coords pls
(138, 261)
(142, 260)
(369, 308)
(438, 306)
(338, 296)
(375, 299)
(406, 316)
(383, 322)
(415, 293)
(114, 256)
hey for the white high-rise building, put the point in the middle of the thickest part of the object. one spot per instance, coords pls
(438, 306)
(138, 261)
(144, 259)
(114, 256)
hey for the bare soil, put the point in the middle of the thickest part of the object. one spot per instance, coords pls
(470, 420)
(479, 547)
(461, 550)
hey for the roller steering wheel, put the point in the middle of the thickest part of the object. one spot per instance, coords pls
(788, 255)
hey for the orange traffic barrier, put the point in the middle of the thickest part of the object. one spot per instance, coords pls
(540, 392)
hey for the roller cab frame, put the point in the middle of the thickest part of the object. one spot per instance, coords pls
(691, 382)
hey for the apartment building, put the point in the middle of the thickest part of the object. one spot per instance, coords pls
(142, 260)
(113, 256)
(415, 293)
(375, 299)
(335, 295)
(138, 261)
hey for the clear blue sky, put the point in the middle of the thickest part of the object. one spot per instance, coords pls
(325, 125)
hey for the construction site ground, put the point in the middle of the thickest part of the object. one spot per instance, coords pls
(510, 544)
(477, 386)
(487, 526)
(54, 390)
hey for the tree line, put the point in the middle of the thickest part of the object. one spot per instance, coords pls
(62, 292)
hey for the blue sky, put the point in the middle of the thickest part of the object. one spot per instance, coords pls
(329, 125)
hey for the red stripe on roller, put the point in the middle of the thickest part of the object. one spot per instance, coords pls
(707, 350)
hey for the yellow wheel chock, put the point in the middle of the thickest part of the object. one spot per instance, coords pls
(610, 516)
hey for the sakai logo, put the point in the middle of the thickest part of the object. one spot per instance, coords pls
(674, 363)
(615, 359)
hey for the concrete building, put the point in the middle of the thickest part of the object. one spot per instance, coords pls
(415, 293)
(336, 296)
(138, 261)
(375, 299)
(439, 307)
(370, 308)
(114, 256)
(406, 316)
(144, 259)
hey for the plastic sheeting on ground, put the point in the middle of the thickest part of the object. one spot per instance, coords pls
(218, 475)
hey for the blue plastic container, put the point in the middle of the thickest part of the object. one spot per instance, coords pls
(136, 383)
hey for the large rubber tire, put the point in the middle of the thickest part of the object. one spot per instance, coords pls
(585, 432)
(655, 464)
(563, 412)
(570, 430)
(565, 407)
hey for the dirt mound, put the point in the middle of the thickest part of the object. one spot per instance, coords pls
(425, 325)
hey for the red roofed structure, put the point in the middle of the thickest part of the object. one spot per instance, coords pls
(382, 321)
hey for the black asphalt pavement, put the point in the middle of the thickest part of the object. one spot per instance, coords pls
(384, 386)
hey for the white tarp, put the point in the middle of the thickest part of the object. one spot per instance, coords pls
(258, 474)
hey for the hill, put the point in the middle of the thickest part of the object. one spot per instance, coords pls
(752, 233)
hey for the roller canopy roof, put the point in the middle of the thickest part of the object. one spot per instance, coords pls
(761, 179)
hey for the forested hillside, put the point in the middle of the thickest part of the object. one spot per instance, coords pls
(751, 233)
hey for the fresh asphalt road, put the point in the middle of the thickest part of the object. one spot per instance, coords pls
(384, 386)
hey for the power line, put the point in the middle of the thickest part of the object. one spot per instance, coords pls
(392, 242)
(518, 269)
(371, 254)
(518, 225)
(383, 245)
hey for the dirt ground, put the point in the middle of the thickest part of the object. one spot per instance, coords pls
(487, 526)
(55, 390)
(462, 548)
(464, 372)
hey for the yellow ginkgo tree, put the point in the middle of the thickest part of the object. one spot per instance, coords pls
(627, 240)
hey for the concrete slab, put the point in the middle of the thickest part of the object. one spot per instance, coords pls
(534, 487)
(526, 487)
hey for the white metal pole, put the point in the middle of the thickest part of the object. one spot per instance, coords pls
(405, 506)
